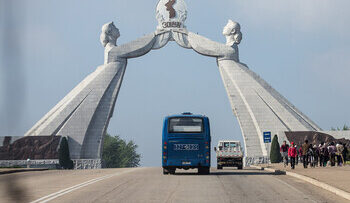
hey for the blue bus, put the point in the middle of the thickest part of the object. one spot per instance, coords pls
(186, 143)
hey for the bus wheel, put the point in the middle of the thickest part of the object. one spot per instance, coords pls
(172, 171)
(165, 171)
(240, 167)
(203, 170)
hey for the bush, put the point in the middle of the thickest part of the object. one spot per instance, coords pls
(275, 155)
(117, 153)
(63, 155)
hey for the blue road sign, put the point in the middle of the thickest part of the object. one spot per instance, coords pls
(267, 137)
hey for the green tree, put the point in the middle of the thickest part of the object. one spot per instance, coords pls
(344, 128)
(275, 155)
(117, 153)
(63, 155)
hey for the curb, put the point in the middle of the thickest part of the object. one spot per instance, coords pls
(22, 170)
(337, 191)
(276, 172)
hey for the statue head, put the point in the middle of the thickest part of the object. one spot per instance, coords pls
(109, 34)
(233, 34)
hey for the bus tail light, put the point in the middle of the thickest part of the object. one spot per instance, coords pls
(206, 145)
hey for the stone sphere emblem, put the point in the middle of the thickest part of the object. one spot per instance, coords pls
(171, 14)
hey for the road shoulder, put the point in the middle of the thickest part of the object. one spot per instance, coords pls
(311, 178)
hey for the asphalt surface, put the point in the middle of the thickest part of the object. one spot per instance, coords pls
(150, 185)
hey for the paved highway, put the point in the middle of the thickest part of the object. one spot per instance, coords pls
(149, 185)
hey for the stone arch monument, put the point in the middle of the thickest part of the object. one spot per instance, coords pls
(84, 114)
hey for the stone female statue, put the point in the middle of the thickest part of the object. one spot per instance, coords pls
(232, 32)
(228, 51)
(109, 36)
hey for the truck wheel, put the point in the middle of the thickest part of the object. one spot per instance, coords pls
(165, 171)
(219, 167)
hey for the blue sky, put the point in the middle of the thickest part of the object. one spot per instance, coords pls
(300, 47)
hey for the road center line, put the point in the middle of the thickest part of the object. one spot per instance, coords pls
(78, 186)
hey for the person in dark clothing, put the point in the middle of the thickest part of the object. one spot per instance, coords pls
(284, 151)
(305, 149)
(311, 156)
(301, 154)
(339, 154)
(316, 154)
(321, 154)
(326, 155)
(345, 153)
(332, 150)
(297, 157)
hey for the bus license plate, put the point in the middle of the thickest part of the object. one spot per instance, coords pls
(186, 147)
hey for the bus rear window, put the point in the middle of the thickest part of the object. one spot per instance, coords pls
(186, 125)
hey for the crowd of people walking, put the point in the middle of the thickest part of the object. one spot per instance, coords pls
(312, 155)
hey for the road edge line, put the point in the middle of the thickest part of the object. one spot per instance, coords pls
(325, 186)
(57, 194)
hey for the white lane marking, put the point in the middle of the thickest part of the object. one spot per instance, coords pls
(75, 187)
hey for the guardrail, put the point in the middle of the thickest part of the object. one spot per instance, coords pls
(52, 163)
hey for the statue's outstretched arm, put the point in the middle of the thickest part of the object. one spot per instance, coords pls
(132, 49)
(208, 47)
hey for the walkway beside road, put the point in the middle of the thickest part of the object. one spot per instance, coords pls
(338, 177)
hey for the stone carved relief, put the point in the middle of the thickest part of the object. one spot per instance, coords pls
(170, 8)
(171, 14)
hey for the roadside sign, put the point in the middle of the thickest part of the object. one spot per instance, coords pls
(267, 137)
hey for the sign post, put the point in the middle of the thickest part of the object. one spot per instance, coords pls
(267, 137)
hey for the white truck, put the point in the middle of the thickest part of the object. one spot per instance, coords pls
(229, 154)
